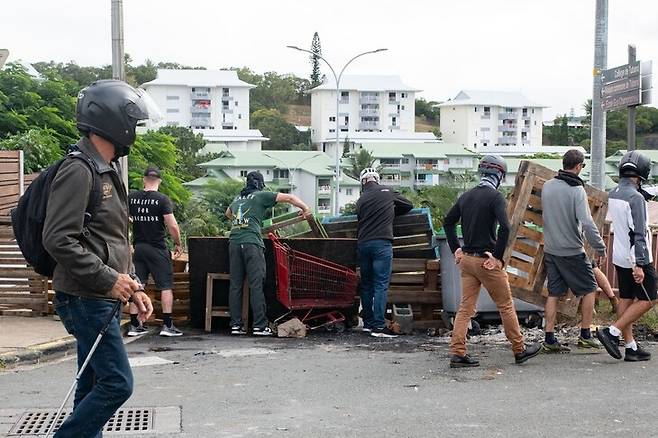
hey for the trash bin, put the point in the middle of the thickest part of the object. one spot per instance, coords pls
(487, 311)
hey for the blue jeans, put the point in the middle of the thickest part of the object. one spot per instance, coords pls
(375, 261)
(107, 381)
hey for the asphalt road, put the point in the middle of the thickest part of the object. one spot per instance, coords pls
(352, 385)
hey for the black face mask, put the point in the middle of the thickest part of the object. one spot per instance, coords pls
(121, 151)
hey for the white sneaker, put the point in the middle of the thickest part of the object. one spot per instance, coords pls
(237, 330)
(263, 332)
(137, 331)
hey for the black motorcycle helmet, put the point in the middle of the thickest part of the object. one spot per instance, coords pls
(255, 179)
(112, 109)
(634, 163)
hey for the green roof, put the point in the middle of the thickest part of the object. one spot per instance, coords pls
(652, 154)
(435, 150)
(313, 162)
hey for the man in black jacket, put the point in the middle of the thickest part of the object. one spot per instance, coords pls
(481, 209)
(375, 210)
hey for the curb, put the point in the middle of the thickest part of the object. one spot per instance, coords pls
(39, 353)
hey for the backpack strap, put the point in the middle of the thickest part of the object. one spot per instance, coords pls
(95, 196)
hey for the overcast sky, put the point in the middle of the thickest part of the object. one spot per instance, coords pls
(543, 48)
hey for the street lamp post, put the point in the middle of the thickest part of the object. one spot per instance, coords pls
(337, 78)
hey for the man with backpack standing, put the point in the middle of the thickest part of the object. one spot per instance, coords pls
(91, 248)
(481, 211)
(631, 256)
(247, 250)
(150, 213)
(376, 209)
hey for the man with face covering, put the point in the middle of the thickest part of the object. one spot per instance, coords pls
(247, 250)
(481, 210)
(92, 252)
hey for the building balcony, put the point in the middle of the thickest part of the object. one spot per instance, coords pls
(226, 97)
(390, 165)
(525, 140)
(324, 209)
(427, 166)
(390, 182)
(393, 127)
(423, 182)
(525, 116)
(370, 112)
(200, 122)
(369, 99)
(507, 140)
(525, 129)
(344, 101)
(368, 125)
(200, 95)
(324, 190)
(227, 110)
(486, 116)
(281, 181)
(394, 101)
(200, 109)
(507, 128)
(508, 116)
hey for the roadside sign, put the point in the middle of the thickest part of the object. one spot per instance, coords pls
(621, 100)
(625, 71)
(4, 54)
(622, 86)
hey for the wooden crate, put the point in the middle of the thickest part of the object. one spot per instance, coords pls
(524, 255)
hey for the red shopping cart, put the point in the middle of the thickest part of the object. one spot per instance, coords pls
(313, 288)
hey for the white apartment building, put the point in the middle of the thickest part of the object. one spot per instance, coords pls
(371, 108)
(214, 103)
(492, 122)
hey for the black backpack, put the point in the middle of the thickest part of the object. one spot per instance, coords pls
(29, 216)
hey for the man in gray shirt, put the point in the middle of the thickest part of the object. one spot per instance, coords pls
(566, 216)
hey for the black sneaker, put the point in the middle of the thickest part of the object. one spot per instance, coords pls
(638, 355)
(463, 361)
(611, 343)
(383, 333)
(263, 331)
(237, 330)
(137, 331)
(529, 352)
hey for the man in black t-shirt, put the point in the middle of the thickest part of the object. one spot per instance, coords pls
(150, 213)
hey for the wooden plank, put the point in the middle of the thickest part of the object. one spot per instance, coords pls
(534, 217)
(414, 297)
(525, 248)
(408, 278)
(405, 241)
(408, 265)
(520, 264)
(524, 231)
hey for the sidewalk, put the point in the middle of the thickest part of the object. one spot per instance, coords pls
(31, 340)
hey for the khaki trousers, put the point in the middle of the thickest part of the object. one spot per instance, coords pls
(473, 276)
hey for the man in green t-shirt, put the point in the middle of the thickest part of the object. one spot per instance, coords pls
(247, 250)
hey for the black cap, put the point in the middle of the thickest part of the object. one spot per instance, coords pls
(153, 172)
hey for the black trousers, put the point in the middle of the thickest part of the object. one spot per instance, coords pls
(247, 259)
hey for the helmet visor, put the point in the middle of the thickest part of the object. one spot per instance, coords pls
(144, 109)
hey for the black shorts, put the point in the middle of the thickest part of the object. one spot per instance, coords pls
(149, 259)
(569, 272)
(629, 289)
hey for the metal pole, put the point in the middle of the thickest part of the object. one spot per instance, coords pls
(631, 109)
(598, 138)
(118, 65)
(336, 209)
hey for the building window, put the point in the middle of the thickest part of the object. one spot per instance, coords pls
(404, 161)
(402, 107)
(348, 192)
(394, 121)
(281, 173)
(475, 108)
(332, 130)
(392, 95)
(403, 95)
(533, 111)
(239, 116)
(173, 110)
(225, 91)
(508, 110)
(267, 171)
(236, 103)
(525, 111)
(332, 118)
(484, 144)
(344, 97)
(487, 110)
(243, 173)
(535, 123)
(173, 97)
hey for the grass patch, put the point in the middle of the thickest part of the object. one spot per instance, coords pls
(2, 364)
(649, 320)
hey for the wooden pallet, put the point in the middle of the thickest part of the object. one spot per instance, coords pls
(524, 255)
(22, 291)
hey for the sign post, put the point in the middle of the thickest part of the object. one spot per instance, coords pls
(627, 86)
(4, 54)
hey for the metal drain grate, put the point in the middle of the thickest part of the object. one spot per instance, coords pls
(126, 420)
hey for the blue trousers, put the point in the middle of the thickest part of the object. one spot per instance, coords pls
(375, 261)
(107, 381)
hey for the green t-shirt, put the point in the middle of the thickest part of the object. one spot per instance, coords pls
(248, 214)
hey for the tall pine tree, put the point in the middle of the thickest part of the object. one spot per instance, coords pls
(315, 61)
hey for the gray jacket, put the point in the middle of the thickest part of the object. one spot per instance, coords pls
(87, 265)
(629, 214)
(566, 216)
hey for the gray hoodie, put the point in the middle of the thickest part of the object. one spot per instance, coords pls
(566, 216)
